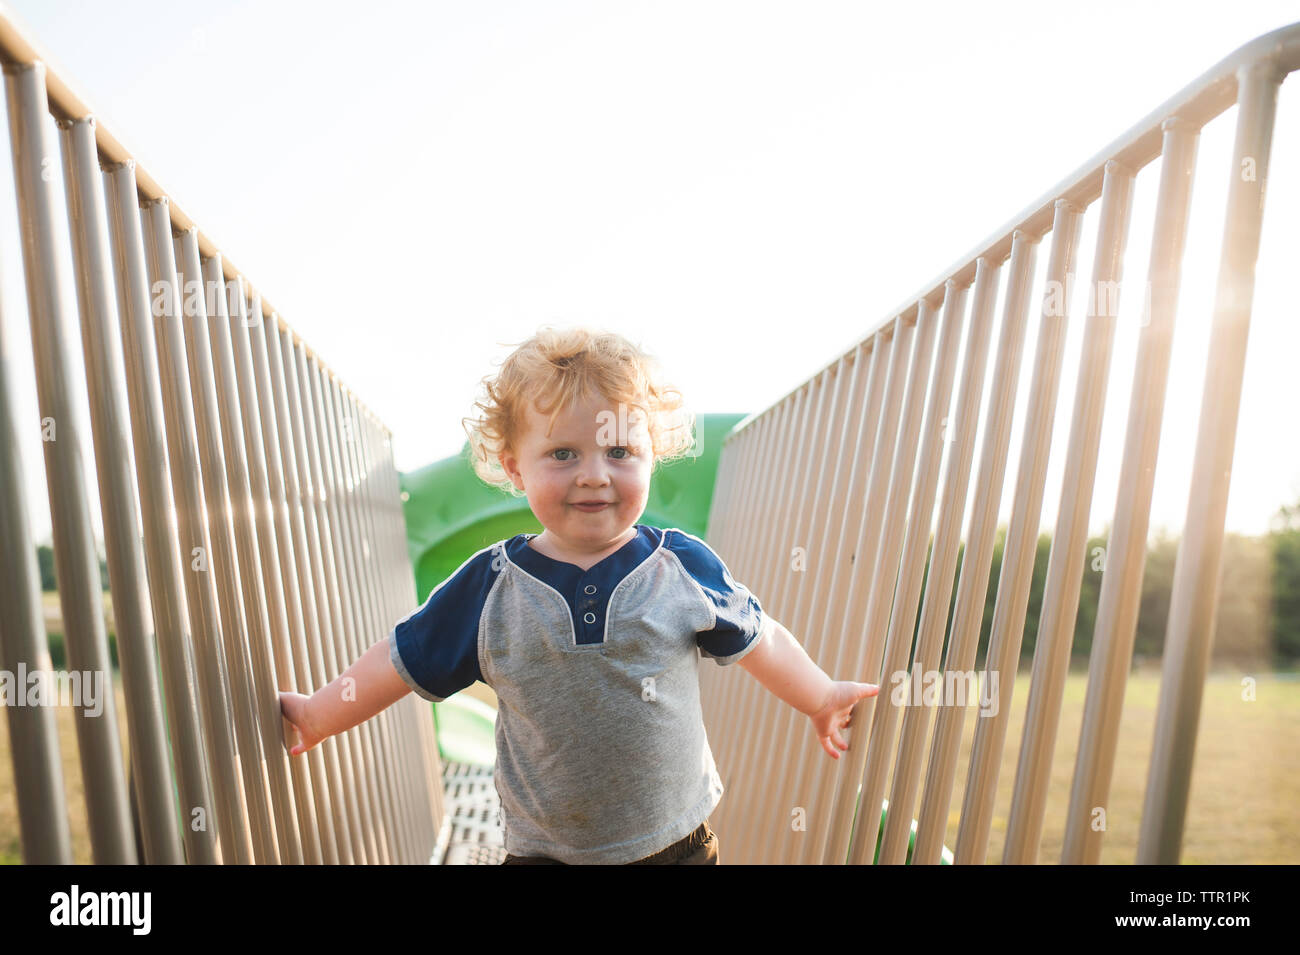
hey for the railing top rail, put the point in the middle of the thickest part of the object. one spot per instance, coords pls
(1200, 101)
(66, 102)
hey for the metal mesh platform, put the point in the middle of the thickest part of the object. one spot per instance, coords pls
(471, 829)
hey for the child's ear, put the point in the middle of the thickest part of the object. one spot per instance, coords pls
(511, 467)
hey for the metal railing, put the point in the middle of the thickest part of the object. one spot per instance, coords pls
(826, 475)
(252, 526)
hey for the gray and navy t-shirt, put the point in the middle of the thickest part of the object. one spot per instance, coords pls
(601, 750)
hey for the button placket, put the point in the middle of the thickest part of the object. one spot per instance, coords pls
(589, 605)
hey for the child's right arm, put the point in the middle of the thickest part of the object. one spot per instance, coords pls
(370, 685)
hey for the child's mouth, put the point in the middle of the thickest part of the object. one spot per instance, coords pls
(591, 508)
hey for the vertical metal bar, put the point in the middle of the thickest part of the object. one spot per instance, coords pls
(771, 819)
(1121, 583)
(76, 563)
(425, 804)
(266, 554)
(250, 519)
(133, 622)
(350, 450)
(1195, 597)
(332, 429)
(33, 732)
(738, 692)
(402, 770)
(1070, 541)
(885, 574)
(748, 491)
(963, 642)
(422, 743)
(330, 524)
(421, 750)
(774, 540)
(341, 748)
(247, 330)
(723, 689)
(728, 499)
(426, 796)
(161, 546)
(406, 764)
(745, 490)
(759, 831)
(811, 795)
(406, 822)
(716, 529)
(380, 509)
(793, 746)
(398, 752)
(847, 627)
(214, 692)
(775, 585)
(1022, 537)
(757, 542)
(747, 692)
(943, 563)
(907, 594)
(222, 560)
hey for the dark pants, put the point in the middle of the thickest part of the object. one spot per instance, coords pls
(699, 848)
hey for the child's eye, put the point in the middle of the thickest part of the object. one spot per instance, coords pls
(561, 451)
(627, 452)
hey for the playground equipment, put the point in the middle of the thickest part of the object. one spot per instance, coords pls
(882, 410)
(197, 399)
(275, 593)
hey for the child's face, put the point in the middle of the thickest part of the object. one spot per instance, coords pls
(591, 454)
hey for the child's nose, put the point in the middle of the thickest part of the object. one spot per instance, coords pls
(594, 472)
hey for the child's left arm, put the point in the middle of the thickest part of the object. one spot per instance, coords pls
(782, 666)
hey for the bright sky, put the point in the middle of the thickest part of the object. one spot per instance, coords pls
(745, 188)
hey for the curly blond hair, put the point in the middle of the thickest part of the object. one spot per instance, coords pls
(560, 366)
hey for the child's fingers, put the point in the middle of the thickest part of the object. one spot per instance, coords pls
(301, 743)
(292, 735)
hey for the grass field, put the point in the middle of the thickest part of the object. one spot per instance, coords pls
(1245, 782)
(1245, 778)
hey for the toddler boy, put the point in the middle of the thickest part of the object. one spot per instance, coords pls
(590, 632)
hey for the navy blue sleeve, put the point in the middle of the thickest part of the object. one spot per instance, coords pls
(738, 619)
(435, 648)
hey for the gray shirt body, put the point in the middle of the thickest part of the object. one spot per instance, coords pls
(602, 755)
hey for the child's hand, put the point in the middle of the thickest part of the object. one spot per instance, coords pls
(837, 713)
(294, 708)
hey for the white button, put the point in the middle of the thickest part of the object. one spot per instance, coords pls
(590, 588)
(590, 618)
